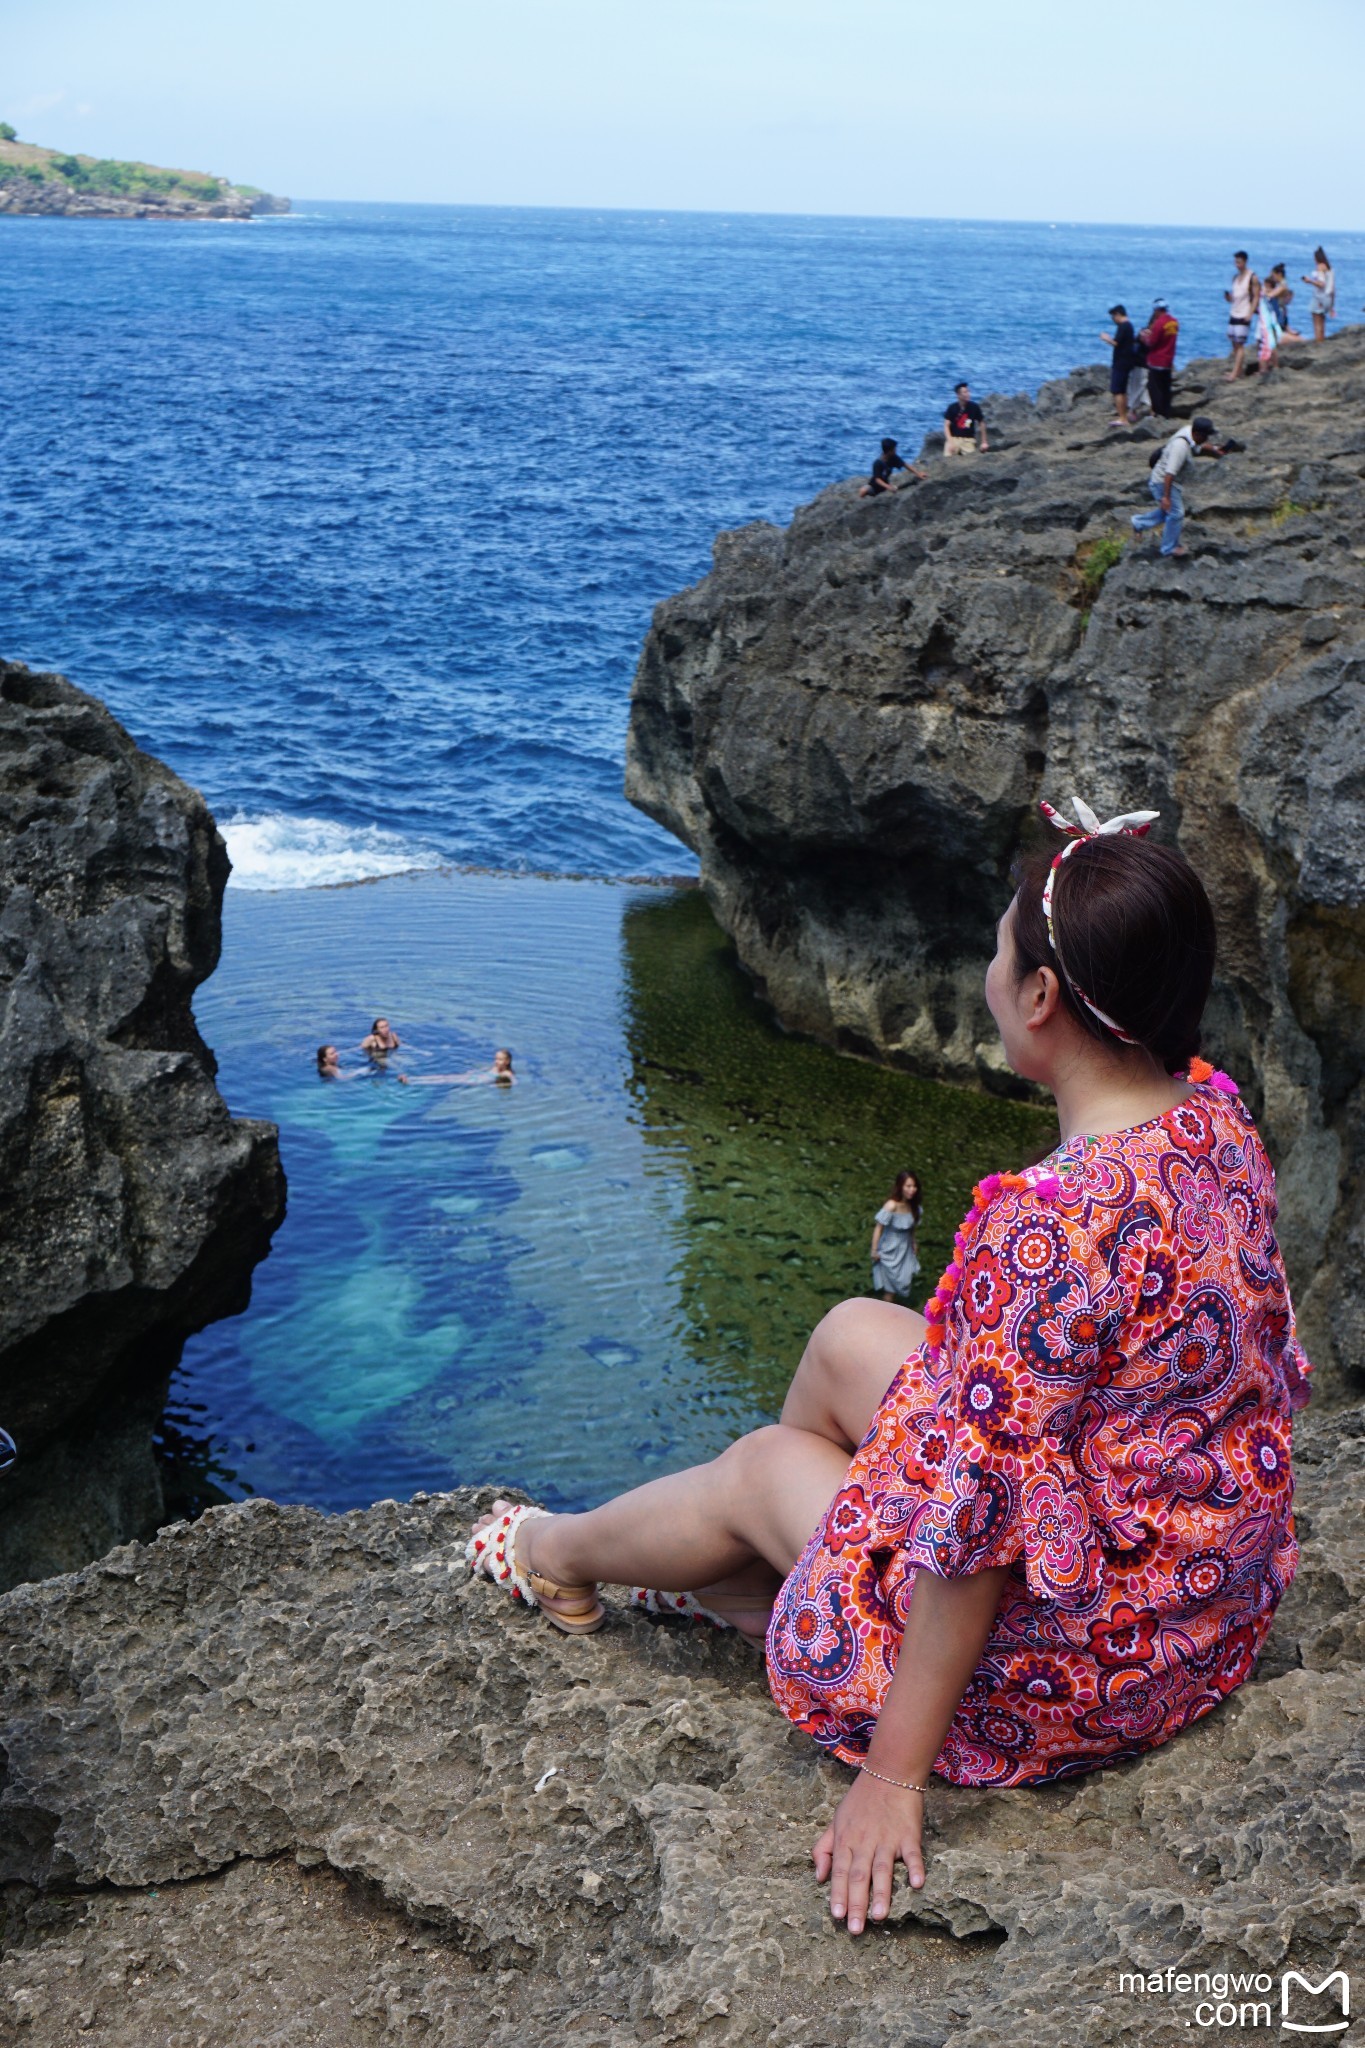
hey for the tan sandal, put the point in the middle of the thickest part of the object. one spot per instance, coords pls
(491, 1554)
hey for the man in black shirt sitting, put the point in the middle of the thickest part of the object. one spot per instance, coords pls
(879, 484)
(961, 422)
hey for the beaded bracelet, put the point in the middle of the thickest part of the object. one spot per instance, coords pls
(902, 1783)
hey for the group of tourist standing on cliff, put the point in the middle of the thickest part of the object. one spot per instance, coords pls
(1141, 372)
(1142, 361)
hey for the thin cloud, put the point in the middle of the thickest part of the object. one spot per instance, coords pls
(39, 103)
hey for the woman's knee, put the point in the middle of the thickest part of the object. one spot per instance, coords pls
(753, 1454)
(834, 1342)
(776, 1483)
(859, 1337)
(812, 1397)
(853, 1355)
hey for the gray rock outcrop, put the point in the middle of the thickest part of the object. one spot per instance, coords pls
(287, 1778)
(54, 196)
(851, 721)
(134, 1206)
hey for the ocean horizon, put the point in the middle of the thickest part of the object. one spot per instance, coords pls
(931, 220)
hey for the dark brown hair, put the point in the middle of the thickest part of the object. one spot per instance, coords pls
(1134, 929)
(896, 1195)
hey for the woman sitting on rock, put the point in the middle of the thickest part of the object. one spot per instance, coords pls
(1045, 1526)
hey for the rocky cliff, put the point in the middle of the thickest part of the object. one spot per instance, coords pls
(851, 721)
(288, 1778)
(134, 1207)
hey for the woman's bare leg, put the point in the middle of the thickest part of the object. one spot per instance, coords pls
(731, 1530)
(853, 1355)
(749, 1512)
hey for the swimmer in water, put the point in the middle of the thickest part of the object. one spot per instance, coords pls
(501, 1074)
(382, 1039)
(329, 1066)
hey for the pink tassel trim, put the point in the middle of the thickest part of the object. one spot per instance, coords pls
(1205, 1076)
(983, 1194)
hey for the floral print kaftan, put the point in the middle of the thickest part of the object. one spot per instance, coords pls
(1109, 1415)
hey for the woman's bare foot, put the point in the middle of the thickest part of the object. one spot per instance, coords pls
(528, 1550)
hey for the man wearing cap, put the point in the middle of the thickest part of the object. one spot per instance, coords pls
(1168, 510)
(1159, 337)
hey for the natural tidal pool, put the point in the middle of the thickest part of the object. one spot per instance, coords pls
(570, 1285)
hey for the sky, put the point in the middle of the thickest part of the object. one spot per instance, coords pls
(1244, 112)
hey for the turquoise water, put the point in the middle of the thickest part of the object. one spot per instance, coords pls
(601, 1273)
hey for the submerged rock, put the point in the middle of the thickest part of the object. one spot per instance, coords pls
(291, 1777)
(134, 1205)
(851, 721)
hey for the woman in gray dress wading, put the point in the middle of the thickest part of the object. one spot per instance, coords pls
(895, 1253)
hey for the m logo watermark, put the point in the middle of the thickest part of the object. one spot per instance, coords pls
(1337, 2026)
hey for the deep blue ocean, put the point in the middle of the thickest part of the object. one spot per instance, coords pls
(357, 516)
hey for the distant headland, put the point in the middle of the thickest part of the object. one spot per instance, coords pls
(38, 180)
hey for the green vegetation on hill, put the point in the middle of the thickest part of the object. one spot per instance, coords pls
(105, 177)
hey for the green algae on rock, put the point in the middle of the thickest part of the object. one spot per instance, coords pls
(784, 1151)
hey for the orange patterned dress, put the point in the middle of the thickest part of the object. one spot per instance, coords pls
(1108, 1413)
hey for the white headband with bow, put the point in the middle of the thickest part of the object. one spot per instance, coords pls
(1135, 824)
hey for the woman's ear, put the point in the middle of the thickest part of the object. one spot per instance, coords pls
(1044, 998)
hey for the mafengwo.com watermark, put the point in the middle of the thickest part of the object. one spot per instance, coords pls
(1290, 2002)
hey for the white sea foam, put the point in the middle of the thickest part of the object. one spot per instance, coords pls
(279, 852)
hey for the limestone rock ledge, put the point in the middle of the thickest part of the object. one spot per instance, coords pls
(134, 1206)
(851, 721)
(285, 1777)
(54, 197)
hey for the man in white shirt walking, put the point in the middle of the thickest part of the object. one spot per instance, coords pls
(1168, 510)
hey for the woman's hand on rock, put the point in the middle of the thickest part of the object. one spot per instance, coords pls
(874, 1826)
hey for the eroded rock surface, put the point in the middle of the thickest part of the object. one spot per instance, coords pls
(851, 721)
(284, 1777)
(134, 1206)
